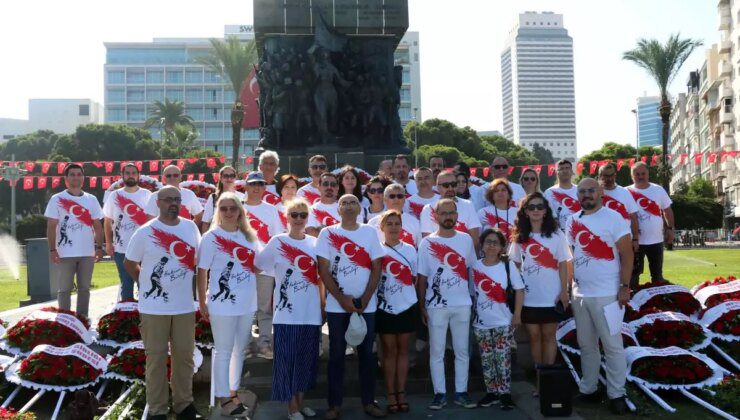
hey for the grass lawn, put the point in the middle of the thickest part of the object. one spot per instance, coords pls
(689, 267)
(13, 291)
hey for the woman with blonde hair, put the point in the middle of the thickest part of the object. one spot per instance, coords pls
(227, 295)
(226, 183)
(298, 305)
(530, 181)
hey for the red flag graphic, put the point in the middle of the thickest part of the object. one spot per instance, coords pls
(497, 222)
(263, 231)
(620, 163)
(643, 159)
(302, 261)
(45, 167)
(93, 181)
(109, 167)
(283, 219)
(567, 201)
(654, 160)
(489, 288)
(41, 182)
(244, 255)
(416, 208)
(210, 162)
(631, 162)
(183, 252)
(449, 258)
(55, 181)
(408, 238)
(645, 203)
(222, 159)
(579, 167)
(105, 180)
(472, 171)
(131, 209)
(351, 250)
(311, 196)
(398, 270)
(185, 213)
(538, 169)
(712, 157)
(612, 203)
(486, 171)
(592, 166)
(181, 163)
(271, 198)
(541, 255)
(27, 182)
(550, 169)
(30, 166)
(201, 177)
(324, 217)
(139, 165)
(592, 245)
(216, 177)
(682, 158)
(249, 95)
(461, 227)
(76, 210)
(153, 165)
(60, 167)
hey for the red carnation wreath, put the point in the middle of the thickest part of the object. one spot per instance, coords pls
(121, 325)
(203, 333)
(663, 332)
(58, 368)
(718, 291)
(201, 189)
(82, 318)
(715, 282)
(671, 368)
(49, 325)
(661, 296)
(567, 336)
(129, 363)
(723, 320)
(10, 414)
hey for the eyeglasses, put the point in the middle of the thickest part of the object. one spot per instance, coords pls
(533, 207)
(375, 190)
(329, 184)
(500, 166)
(228, 176)
(396, 196)
(171, 200)
(172, 176)
(587, 191)
(256, 184)
(448, 184)
(231, 209)
(318, 167)
(529, 179)
(296, 215)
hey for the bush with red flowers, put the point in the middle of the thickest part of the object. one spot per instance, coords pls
(678, 300)
(29, 333)
(666, 333)
(203, 333)
(673, 370)
(120, 326)
(47, 369)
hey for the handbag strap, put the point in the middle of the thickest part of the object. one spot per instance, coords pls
(399, 253)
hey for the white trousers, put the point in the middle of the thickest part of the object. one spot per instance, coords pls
(265, 289)
(231, 336)
(591, 327)
(457, 318)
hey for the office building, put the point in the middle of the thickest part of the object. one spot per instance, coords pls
(59, 115)
(649, 124)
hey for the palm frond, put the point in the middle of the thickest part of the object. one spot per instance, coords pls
(232, 59)
(170, 112)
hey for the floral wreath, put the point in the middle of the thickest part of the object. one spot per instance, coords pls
(661, 296)
(670, 329)
(567, 338)
(203, 332)
(201, 189)
(120, 326)
(128, 363)
(723, 320)
(49, 325)
(58, 369)
(671, 368)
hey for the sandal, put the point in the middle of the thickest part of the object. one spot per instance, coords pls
(402, 406)
(234, 408)
(392, 408)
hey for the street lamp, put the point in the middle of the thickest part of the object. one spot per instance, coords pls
(416, 144)
(637, 134)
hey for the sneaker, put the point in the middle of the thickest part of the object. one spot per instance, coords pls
(463, 399)
(374, 411)
(265, 353)
(488, 400)
(618, 406)
(438, 402)
(189, 413)
(594, 397)
(295, 416)
(308, 412)
(506, 402)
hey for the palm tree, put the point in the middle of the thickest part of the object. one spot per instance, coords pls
(663, 62)
(181, 138)
(167, 115)
(233, 60)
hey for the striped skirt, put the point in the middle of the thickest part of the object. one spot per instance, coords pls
(295, 360)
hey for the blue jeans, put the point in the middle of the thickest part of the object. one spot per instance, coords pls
(127, 283)
(338, 323)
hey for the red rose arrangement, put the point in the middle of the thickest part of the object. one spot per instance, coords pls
(119, 326)
(47, 369)
(727, 324)
(145, 181)
(673, 370)
(716, 282)
(29, 333)
(683, 302)
(571, 339)
(10, 414)
(131, 363)
(663, 333)
(719, 298)
(203, 333)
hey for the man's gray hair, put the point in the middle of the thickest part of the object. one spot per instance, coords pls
(269, 154)
(393, 187)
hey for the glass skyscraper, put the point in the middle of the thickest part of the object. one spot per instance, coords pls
(649, 125)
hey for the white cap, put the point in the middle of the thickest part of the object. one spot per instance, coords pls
(356, 330)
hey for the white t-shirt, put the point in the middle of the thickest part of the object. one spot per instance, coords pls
(265, 221)
(540, 257)
(493, 217)
(489, 289)
(410, 187)
(466, 217)
(232, 283)
(396, 290)
(280, 207)
(620, 200)
(651, 202)
(481, 201)
(350, 254)
(563, 203)
(126, 211)
(445, 263)
(310, 193)
(210, 207)
(296, 297)
(370, 215)
(410, 232)
(167, 257)
(190, 207)
(322, 215)
(270, 196)
(75, 233)
(415, 204)
(595, 256)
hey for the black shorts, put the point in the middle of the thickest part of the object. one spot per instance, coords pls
(405, 322)
(541, 315)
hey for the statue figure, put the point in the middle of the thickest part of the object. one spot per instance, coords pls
(325, 95)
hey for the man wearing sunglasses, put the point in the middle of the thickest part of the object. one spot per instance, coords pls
(467, 219)
(425, 181)
(500, 169)
(401, 174)
(619, 199)
(265, 221)
(394, 197)
(325, 212)
(602, 260)
(563, 196)
(316, 167)
(190, 209)
(269, 165)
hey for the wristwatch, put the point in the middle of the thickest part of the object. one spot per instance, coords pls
(624, 286)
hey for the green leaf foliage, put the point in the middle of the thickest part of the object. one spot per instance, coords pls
(696, 212)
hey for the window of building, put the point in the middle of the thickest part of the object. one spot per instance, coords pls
(194, 95)
(174, 76)
(405, 95)
(135, 95)
(213, 95)
(135, 76)
(115, 114)
(404, 113)
(212, 114)
(229, 96)
(174, 94)
(84, 110)
(116, 96)
(116, 77)
(193, 76)
(135, 114)
(154, 95)
(406, 76)
(213, 132)
(416, 57)
(212, 77)
(155, 76)
(195, 113)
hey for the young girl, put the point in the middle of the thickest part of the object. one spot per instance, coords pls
(493, 322)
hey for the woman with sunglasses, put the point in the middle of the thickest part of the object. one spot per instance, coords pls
(397, 312)
(500, 214)
(374, 194)
(530, 181)
(226, 183)
(287, 188)
(298, 307)
(541, 252)
(227, 295)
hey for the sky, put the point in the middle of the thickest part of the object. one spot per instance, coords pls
(54, 49)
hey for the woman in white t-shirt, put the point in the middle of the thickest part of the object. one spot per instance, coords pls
(398, 313)
(493, 321)
(287, 189)
(540, 250)
(227, 295)
(298, 307)
(226, 183)
(500, 214)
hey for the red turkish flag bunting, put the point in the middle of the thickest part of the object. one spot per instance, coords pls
(644, 159)
(192, 160)
(579, 167)
(108, 167)
(538, 169)
(55, 181)
(631, 162)
(620, 163)
(249, 160)
(210, 162)
(93, 181)
(682, 158)
(190, 177)
(216, 177)
(712, 157)
(486, 171)
(105, 181)
(201, 177)
(592, 166)
(41, 183)
(30, 166)
(27, 182)
(653, 160)
(697, 158)
(153, 166)
(222, 159)
(511, 169)
(45, 167)
(98, 164)
(139, 165)
(550, 169)
(181, 163)
(472, 171)
(60, 167)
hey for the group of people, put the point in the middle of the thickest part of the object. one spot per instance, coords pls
(422, 251)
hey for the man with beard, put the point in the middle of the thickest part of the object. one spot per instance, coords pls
(124, 213)
(602, 260)
(190, 208)
(82, 232)
(325, 212)
(562, 196)
(466, 220)
(163, 250)
(620, 200)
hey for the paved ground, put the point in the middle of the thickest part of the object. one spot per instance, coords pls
(101, 301)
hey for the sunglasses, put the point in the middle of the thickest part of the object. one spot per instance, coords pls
(171, 200)
(295, 215)
(318, 166)
(172, 176)
(228, 176)
(329, 184)
(448, 184)
(533, 207)
(500, 166)
(231, 209)
(256, 184)
(375, 190)
(529, 179)
(396, 196)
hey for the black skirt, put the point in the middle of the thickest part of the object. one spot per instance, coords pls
(541, 315)
(405, 322)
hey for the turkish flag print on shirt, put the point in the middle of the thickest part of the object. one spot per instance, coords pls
(264, 219)
(415, 204)
(593, 238)
(492, 217)
(350, 254)
(650, 202)
(489, 288)
(126, 212)
(445, 263)
(75, 236)
(540, 258)
(310, 193)
(563, 203)
(396, 291)
(410, 232)
(620, 200)
(466, 217)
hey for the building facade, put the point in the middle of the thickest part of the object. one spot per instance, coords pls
(58, 115)
(537, 85)
(649, 124)
(138, 73)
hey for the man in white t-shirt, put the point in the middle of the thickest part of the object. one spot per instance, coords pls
(620, 200)
(401, 174)
(466, 220)
(425, 181)
(124, 213)
(602, 260)
(161, 255)
(653, 214)
(265, 221)
(191, 207)
(437, 165)
(349, 265)
(562, 197)
(445, 258)
(269, 165)
(75, 237)
(325, 212)
(316, 167)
